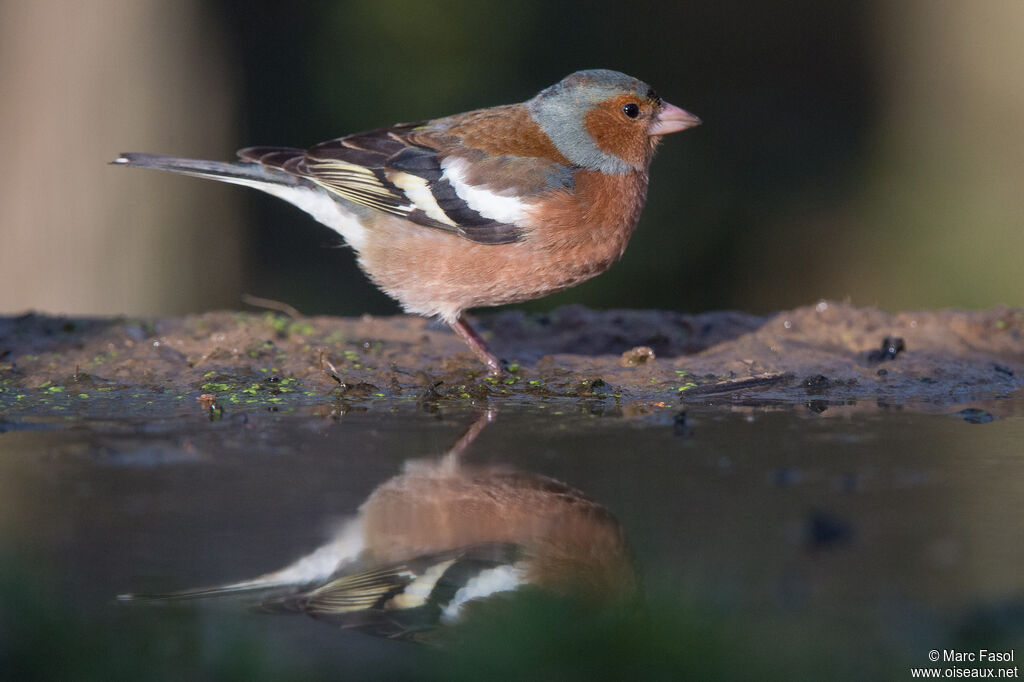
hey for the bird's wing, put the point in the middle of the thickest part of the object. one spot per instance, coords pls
(399, 599)
(419, 173)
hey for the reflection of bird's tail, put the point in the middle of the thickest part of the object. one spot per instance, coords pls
(242, 588)
(343, 549)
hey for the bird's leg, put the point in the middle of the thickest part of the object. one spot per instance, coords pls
(476, 344)
(450, 462)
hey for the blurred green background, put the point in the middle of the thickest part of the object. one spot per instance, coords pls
(867, 151)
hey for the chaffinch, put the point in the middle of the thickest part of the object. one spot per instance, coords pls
(483, 208)
(431, 544)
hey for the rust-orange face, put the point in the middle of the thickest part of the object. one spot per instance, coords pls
(605, 120)
(621, 126)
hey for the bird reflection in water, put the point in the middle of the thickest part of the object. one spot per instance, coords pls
(430, 546)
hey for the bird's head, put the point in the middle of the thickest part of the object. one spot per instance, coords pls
(605, 120)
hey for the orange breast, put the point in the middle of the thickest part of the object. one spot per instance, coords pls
(572, 237)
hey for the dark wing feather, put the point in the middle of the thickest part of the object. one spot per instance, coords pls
(269, 155)
(376, 600)
(387, 171)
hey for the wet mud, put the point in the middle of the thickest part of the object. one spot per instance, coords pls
(829, 352)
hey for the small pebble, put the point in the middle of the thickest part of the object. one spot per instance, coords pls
(636, 356)
(973, 415)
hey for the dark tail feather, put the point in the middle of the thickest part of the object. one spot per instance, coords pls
(243, 173)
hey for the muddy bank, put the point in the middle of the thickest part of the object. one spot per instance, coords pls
(824, 354)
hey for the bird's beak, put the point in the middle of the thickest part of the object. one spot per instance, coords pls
(672, 119)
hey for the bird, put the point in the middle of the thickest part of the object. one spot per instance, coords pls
(488, 207)
(432, 546)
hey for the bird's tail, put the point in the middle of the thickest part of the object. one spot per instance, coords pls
(240, 173)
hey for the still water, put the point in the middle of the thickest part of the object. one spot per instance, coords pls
(760, 542)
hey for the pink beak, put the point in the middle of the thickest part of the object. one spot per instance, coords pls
(672, 119)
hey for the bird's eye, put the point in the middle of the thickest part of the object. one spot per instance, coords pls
(631, 110)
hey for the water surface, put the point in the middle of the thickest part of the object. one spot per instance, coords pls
(768, 541)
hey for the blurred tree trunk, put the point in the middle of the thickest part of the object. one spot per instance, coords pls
(943, 216)
(934, 214)
(82, 82)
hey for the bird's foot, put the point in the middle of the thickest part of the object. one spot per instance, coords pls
(477, 344)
